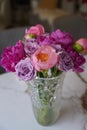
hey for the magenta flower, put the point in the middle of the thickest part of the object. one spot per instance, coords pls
(44, 39)
(30, 46)
(62, 38)
(25, 70)
(11, 56)
(78, 59)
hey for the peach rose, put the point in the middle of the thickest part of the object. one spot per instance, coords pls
(44, 58)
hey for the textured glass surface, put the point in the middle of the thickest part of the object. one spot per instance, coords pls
(46, 98)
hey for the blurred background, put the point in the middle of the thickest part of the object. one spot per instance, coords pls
(15, 13)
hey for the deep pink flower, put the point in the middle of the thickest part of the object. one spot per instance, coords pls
(11, 56)
(25, 70)
(63, 38)
(78, 59)
(44, 39)
(44, 58)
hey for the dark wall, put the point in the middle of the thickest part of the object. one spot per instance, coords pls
(19, 2)
(22, 2)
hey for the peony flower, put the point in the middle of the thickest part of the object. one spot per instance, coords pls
(44, 58)
(81, 45)
(34, 31)
(65, 62)
(11, 56)
(62, 38)
(30, 46)
(25, 70)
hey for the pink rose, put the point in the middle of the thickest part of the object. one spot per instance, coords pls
(44, 58)
(41, 28)
(34, 31)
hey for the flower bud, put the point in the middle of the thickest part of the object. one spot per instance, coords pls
(81, 45)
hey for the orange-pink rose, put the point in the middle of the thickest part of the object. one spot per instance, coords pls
(44, 58)
(34, 31)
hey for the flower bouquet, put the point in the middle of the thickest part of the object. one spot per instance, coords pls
(41, 59)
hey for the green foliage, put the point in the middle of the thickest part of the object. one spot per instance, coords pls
(53, 73)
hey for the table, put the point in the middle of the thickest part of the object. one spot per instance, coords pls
(16, 112)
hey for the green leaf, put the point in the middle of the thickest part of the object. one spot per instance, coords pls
(55, 72)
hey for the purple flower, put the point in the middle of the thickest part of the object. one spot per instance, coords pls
(57, 47)
(48, 40)
(30, 46)
(11, 56)
(65, 62)
(62, 38)
(43, 39)
(78, 59)
(25, 70)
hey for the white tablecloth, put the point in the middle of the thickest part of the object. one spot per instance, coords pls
(16, 112)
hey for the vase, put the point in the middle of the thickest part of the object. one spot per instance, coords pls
(45, 96)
